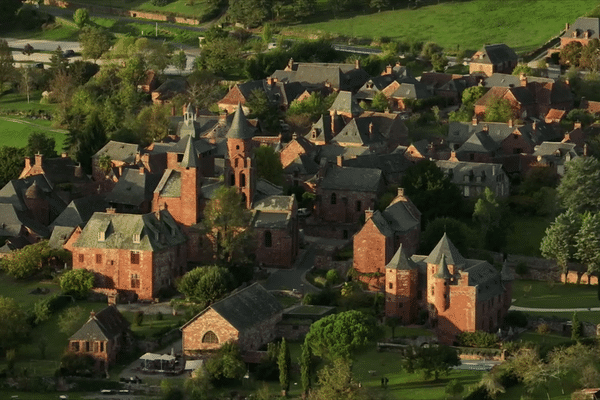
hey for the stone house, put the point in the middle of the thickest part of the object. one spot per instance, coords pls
(461, 295)
(555, 155)
(472, 178)
(134, 255)
(582, 30)
(381, 236)
(343, 194)
(493, 58)
(247, 317)
(122, 155)
(169, 89)
(63, 175)
(317, 76)
(103, 336)
(279, 93)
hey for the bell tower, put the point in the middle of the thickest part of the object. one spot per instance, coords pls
(240, 170)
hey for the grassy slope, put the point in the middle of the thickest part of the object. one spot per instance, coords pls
(522, 25)
(559, 296)
(178, 6)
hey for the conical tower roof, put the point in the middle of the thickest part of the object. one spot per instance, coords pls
(190, 156)
(401, 261)
(445, 247)
(443, 271)
(240, 129)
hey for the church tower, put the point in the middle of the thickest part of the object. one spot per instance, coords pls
(240, 170)
(441, 289)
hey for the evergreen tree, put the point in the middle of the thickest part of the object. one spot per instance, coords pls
(306, 367)
(284, 364)
(587, 242)
(576, 328)
(58, 63)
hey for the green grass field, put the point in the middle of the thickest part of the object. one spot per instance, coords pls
(141, 29)
(558, 296)
(526, 235)
(523, 25)
(20, 290)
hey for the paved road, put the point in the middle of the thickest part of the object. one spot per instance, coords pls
(289, 279)
(477, 365)
(552, 310)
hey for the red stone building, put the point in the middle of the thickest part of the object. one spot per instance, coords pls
(399, 225)
(247, 317)
(102, 336)
(136, 255)
(582, 30)
(461, 295)
(494, 58)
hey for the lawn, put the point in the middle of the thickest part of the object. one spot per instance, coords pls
(153, 325)
(142, 29)
(183, 7)
(61, 30)
(523, 25)
(16, 133)
(559, 295)
(526, 235)
(20, 290)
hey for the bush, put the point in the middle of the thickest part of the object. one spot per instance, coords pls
(160, 3)
(516, 318)
(477, 339)
(543, 329)
(325, 297)
(522, 268)
(138, 318)
(332, 276)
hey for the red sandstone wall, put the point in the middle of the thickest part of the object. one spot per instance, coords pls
(210, 321)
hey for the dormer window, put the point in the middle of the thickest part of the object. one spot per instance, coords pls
(136, 238)
(101, 236)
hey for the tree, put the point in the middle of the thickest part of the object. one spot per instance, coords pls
(29, 260)
(7, 64)
(219, 56)
(227, 365)
(81, 16)
(499, 110)
(559, 242)
(461, 235)
(439, 62)
(206, 284)
(27, 81)
(587, 242)
(40, 143)
(268, 164)
(392, 322)
(380, 102)
(198, 386)
(589, 55)
(14, 323)
(229, 223)
(570, 54)
(11, 163)
(531, 370)
(306, 369)
(491, 216)
(338, 335)
(304, 8)
(262, 108)
(28, 50)
(336, 383)
(284, 363)
(94, 42)
(157, 55)
(179, 61)
(454, 388)
(431, 191)
(429, 49)
(492, 385)
(379, 4)
(575, 327)
(431, 361)
(522, 69)
(71, 319)
(579, 188)
(153, 122)
(8, 10)
(204, 89)
(77, 282)
(251, 13)
(472, 94)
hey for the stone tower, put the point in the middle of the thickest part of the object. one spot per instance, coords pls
(240, 170)
(401, 281)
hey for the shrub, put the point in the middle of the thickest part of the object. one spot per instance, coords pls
(543, 329)
(515, 318)
(522, 268)
(477, 339)
(332, 276)
(159, 316)
(138, 318)
(159, 3)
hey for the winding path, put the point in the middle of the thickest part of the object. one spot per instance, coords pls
(552, 310)
(37, 126)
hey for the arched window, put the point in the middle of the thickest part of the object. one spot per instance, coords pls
(268, 239)
(210, 337)
(236, 162)
(232, 180)
(244, 199)
(333, 198)
(242, 180)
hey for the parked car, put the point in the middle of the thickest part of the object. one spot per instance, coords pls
(68, 53)
(303, 212)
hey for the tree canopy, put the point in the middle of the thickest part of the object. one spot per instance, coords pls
(94, 42)
(29, 260)
(14, 323)
(559, 242)
(268, 164)
(338, 335)
(579, 188)
(431, 361)
(77, 282)
(205, 285)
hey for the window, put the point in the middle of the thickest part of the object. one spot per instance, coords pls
(210, 337)
(136, 238)
(232, 180)
(242, 180)
(101, 237)
(98, 258)
(102, 347)
(358, 205)
(472, 157)
(419, 295)
(81, 258)
(236, 162)
(179, 157)
(135, 257)
(400, 305)
(391, 285)
(75, 346)
(96, 347)
(87, 346)
(268, 239)
(333, 198)
(237, 147)
(135, 281)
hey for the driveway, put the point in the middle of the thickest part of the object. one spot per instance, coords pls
(290, 279)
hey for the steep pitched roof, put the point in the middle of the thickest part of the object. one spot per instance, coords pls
(157, 231)
(119, 151)
(346, 103)
(240, 128)
(190, 157)
(399, 217)
(401, 261)
(479, 142)
(12, 221)
(443, 271)
(104, 325)
(486, 278)
(79, 211)
(359, 131)
(245, 308)
(446, 249)
(582, 25)
(495, 54)
(133, 188)
(352, 179)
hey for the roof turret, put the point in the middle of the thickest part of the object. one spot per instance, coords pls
(190, 157)
(401, 261)
(240, 129)
(443, 271)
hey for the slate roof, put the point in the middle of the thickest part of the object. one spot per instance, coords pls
(133, 188)
(591, 25)
(119, 151)
(401, 261)
(245, 308)
(506, 274)
(103, 326)
(15, 192)
(382, 224)
(155, 233)
(479, 142)
(170, 88)
(12, 220)
(458, 170)
(14, 243)
(330, 152)
(321, 130)
(303, 164)
(495, 54)
(240, 128)
(271, 220)
(59, 236)
(509, 80)
(339, 76)
(352, 179)
(399, 217)
(486, 278)
(374, 86)
(169, 184)
(443, 271)
(556, 152)
(446, 248)
(411, 91)
(389, 164)
(79, 211)
(190, 157)
(346, 103)
(361, 131)
(275, 203)
(265, 189)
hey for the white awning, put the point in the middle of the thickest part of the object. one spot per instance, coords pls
(192, 365)
(159, 357)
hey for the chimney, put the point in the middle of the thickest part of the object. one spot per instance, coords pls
(27, 162)
(141, 171)
(145, 158)
(567, 137)
(92, 314)
(486, 128)
(39, 159)
(173, 111)
(184, 109)
(294, 136)
(577, 125)
(78, 171)
(400, 192)
(475, 121)
(269, 81)
(333, 115)
(290, 64)
(575, 33)
(585, 150)
(586, 34)
(534, 126)
(567, 26)
(111, 210)
(64, 154)
(368, 214)
(388, 70)
(523, 79)
(339, 161)
(371, 130)
(510, 123)
(453, 156)
(223, 118)
(357, 64)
